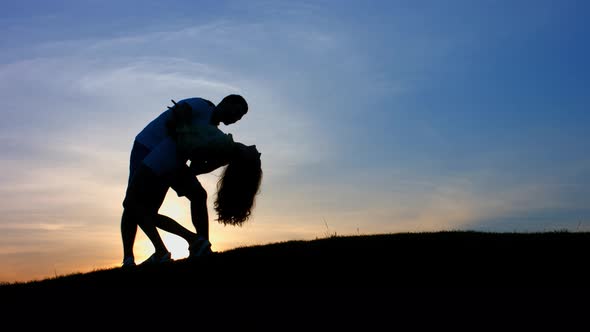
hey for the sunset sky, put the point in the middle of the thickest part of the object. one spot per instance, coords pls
(371, 116)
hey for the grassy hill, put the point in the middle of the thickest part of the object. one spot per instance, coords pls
(368, 283)
(404, 260)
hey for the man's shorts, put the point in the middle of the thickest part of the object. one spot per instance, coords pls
(146, 191)
(138, 152)
(184, 182)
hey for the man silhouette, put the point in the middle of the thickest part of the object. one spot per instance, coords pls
(197, 111)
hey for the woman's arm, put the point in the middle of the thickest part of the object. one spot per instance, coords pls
(207, 159)
(208, 148)
(205, 166)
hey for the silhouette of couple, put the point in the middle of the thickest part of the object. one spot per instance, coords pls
(188, 131)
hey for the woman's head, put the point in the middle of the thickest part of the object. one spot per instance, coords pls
(238, 186)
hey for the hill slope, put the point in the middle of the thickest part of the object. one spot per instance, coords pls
(423, 260)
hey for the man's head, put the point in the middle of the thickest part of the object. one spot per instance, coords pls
(231, 109)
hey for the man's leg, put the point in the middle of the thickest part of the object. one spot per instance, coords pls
(128, 233)
(145, 194)
(128, 224)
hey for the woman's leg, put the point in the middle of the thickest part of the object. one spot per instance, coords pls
(172, 226)
(185, 183)
(148, 226)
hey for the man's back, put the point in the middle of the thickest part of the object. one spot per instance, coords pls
(156, 131)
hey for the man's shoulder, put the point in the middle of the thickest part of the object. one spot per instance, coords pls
(198, 100)
(208, 102)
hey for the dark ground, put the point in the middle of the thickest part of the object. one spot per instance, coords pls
(422, 260)
(359, 279)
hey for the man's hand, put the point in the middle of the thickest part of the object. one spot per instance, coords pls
(182, 113)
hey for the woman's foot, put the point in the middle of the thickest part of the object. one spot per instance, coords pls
(156, 258)
(200, 247)
(128, 262)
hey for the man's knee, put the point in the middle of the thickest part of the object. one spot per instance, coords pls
(137, 214)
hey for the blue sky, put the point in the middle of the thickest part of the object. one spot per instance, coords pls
(372, 117)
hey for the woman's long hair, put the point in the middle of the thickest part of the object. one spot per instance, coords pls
(237, 189)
